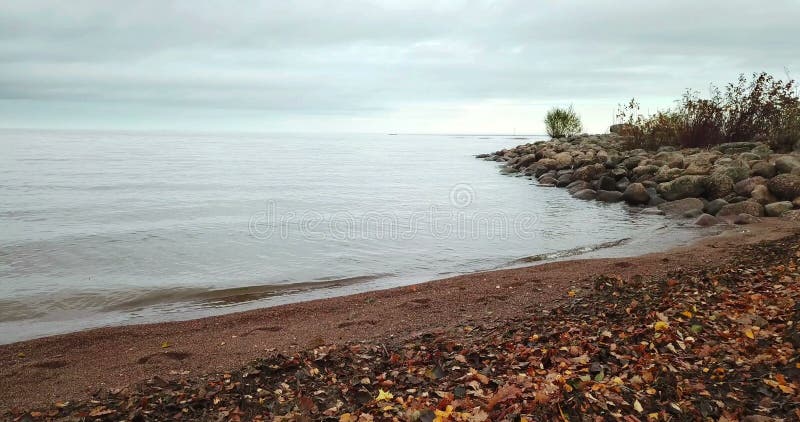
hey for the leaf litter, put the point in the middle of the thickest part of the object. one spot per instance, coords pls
(717, 344)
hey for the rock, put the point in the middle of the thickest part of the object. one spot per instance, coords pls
(577, 185)
(607, 183)
(681, 206)
(548, 163)
(526, 160)
(737, 147)
(718, 185)
(563, 160)
(621, 128)
(590, 172)
(547, 179)
(683, 187)
(785, 186)
(672, 159)
(698, 168)
(483, 156)
(632, 162)
(651, 211)
(749, 156)
(586, 194)
(762, 195)
(692, 213)
(619, 172)
(776, 209)
(736, 171)
(622, 184)
(644, 171)
(762, 150)
(793, 215)
(745, 219)
(636, 194)
(655, 200)
(666, 173)
(609, 196)
(796, 202)
(745, 207)
(745, 187)
(564, 180)
(714, 206)
(786, 164)
(706, 220)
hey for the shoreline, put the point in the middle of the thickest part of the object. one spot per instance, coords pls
(76, 365)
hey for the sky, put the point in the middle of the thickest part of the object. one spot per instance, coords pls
(401, 66)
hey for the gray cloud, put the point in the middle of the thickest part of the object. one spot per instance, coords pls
(376, 59)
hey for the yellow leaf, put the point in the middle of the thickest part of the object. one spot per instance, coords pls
(749, 333)
(786, 389)
(638, 406)
(164, 345)
(652, 416)
(384, 395)
(661, 325)
(687, 314)
(571, 293)
(346, 417)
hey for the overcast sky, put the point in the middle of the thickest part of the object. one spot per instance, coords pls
(372, 66)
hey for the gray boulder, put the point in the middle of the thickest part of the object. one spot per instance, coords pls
(745, 207)
(764, 169)
(745, 187)
(692, 213)
(762, 195)
(586, 194)
(683, 187)
(636, 194)
(793, 215)
(714, 206)
(609, 196)
(736, 171)
(590, 172)
(785, 186)
(718, 185)
(737, 147)
(787, 163)
(666, 173)
(577, 186)
(776, 209)
(673, 159)
(607, 183)
(681, 206)
(651, 211)
(706, 220)
(745, 219)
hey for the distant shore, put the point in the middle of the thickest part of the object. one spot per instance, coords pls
(75, 366)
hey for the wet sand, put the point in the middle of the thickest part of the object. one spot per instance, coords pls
(73, 366)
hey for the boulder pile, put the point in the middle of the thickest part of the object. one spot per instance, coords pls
(734, 182)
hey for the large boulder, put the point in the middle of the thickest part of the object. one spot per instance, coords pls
(683, 187)
(609, 196)
(737, 147)
(706, 220)
(736, 171)
(745, 187)
(631, 162)
(672, 159)
(644, 171)
(589, 172)
(563, 160)
(713, 207)
(787, 163)
(745, 219)
(666, 173)
(578, 185)
(793, 215)
(775, 209)
(587, 194)
(762, 195)
(785, 186)
(636, 194)
(607, 183)
(718, 185)
(681, 206)
(745, 207)
(764, 169)
(526, 160)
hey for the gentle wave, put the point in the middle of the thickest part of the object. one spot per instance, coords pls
(570, 252)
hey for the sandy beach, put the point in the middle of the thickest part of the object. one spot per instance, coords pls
(75, 366)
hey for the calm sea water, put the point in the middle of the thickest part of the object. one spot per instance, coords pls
(104, 228)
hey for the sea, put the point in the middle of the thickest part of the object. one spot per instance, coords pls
(101, 228)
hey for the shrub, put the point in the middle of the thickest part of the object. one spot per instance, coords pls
(562, 122)
(760, 108)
